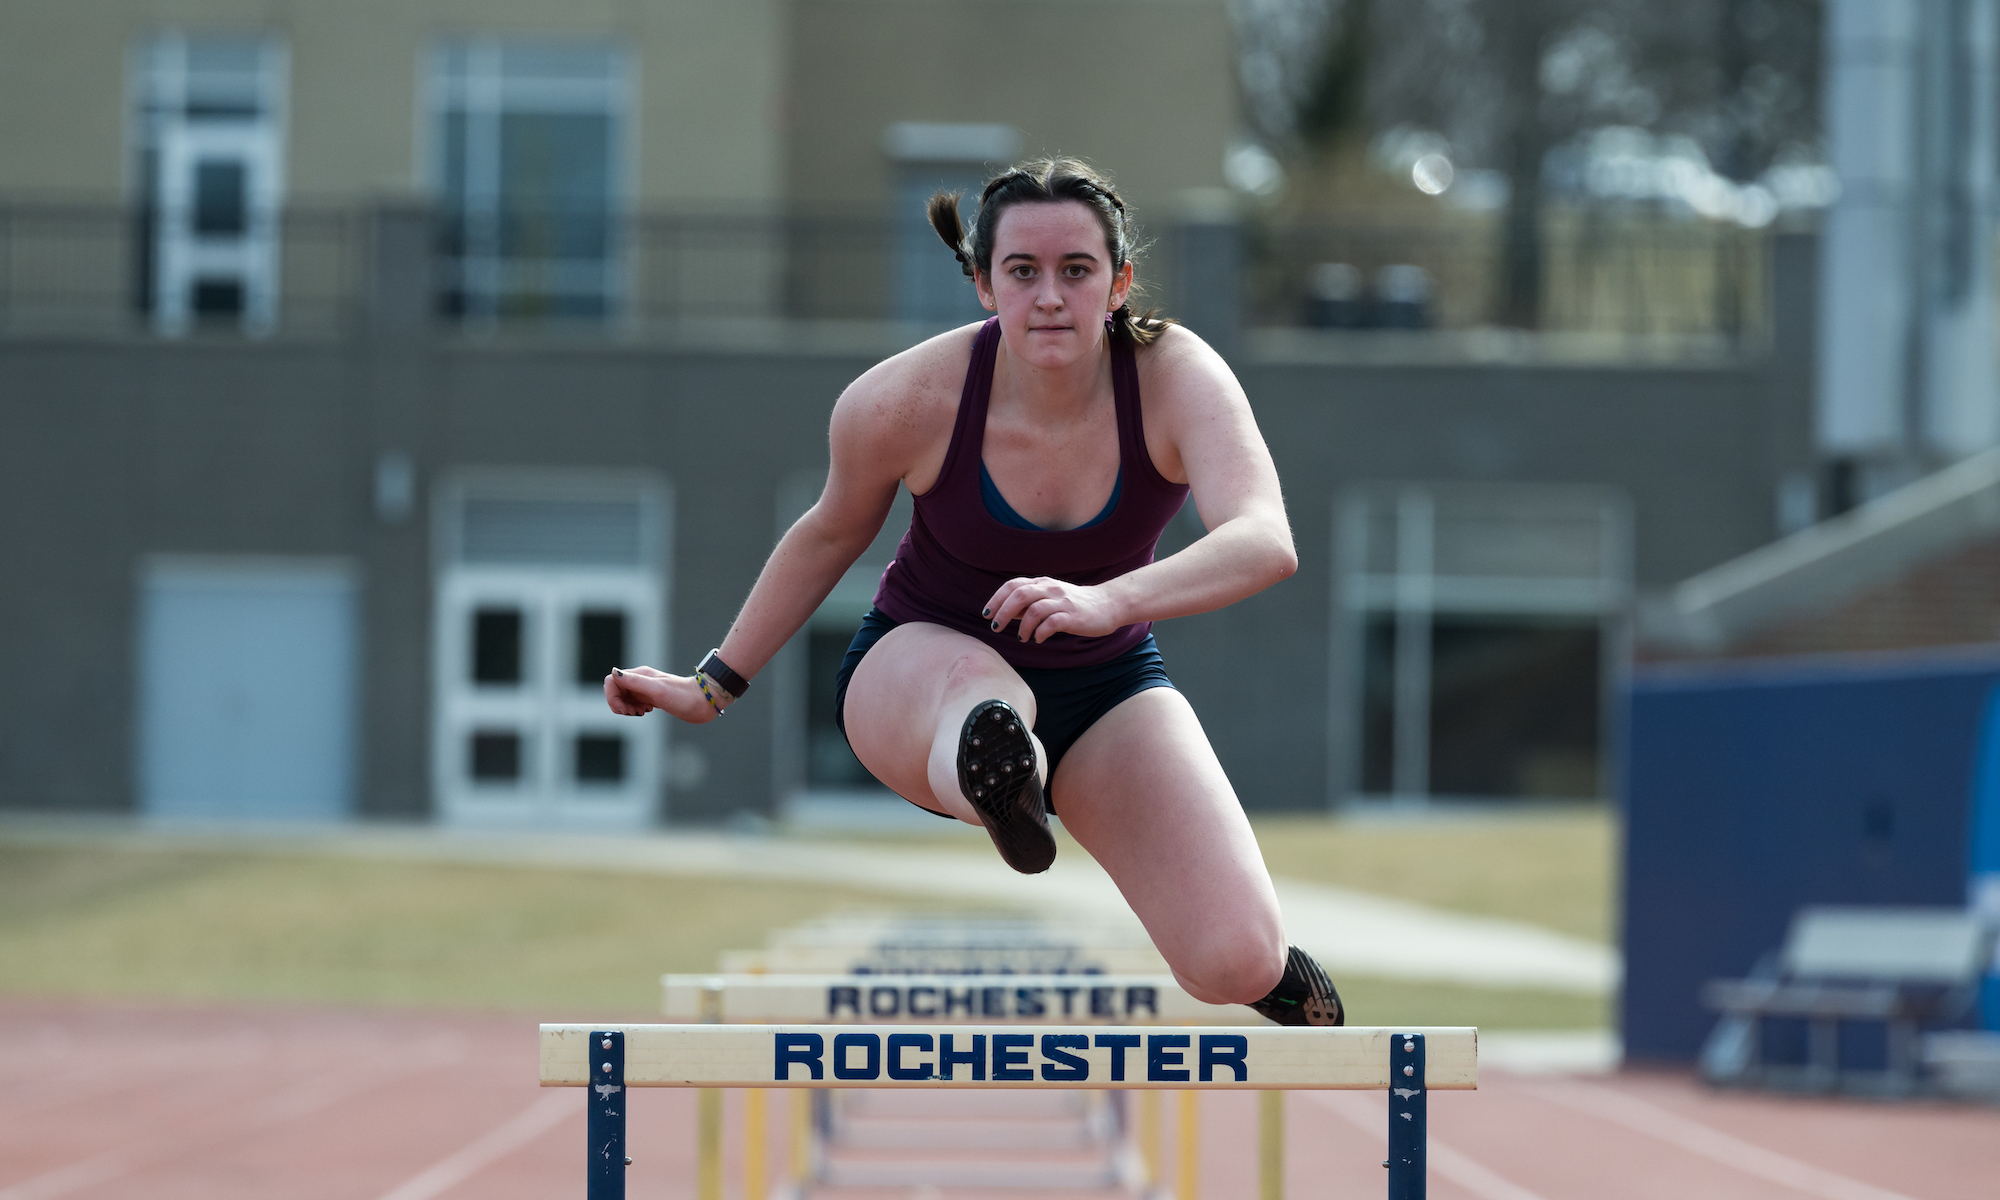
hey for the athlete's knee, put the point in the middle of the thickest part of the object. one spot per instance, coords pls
(1234, 965)
(968, 667)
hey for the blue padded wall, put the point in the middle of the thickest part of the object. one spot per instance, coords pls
(1985, 838)
(1751, 789)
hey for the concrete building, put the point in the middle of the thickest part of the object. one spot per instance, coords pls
(367, 372)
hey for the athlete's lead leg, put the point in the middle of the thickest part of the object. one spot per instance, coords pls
(921, 715)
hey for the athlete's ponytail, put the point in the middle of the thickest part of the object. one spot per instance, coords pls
(943, 212)
(1040, 182)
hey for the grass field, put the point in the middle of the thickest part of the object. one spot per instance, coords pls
(161, 921)
(1552, 868)
(207, 925)
(1549, 867)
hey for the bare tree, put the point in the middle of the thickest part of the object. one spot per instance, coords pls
(1508, 81)
(1766, 86)
(1279, 46)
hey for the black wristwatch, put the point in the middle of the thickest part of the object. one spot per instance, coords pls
(725, 677)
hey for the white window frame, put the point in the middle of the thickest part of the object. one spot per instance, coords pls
(925, 285)
(484, 91)
(1416, 593)
(162, 85)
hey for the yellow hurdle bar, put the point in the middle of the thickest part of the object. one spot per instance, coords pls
(1010, 1056)
(755, 1154)
(708, 1144)
(1271, 1146)
(1187, 1138)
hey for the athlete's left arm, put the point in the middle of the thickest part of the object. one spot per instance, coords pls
(1203, 433)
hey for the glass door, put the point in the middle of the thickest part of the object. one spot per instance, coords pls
(211, 168)
(217, 233)
(523, 735)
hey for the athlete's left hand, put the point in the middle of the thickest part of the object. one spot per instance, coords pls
(1047, 606)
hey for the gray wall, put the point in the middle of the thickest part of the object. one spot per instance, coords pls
(118, 450)
(1688, 447)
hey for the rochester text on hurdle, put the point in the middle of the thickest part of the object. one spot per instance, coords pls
(1081, 1001)
(1066, 1058)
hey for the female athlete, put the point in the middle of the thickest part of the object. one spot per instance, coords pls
(1007, 669)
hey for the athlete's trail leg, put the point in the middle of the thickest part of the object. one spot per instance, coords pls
(1143, 792)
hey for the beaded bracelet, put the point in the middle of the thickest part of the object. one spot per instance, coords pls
(708, 695)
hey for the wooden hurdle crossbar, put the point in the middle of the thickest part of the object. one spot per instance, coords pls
(1407, 1063)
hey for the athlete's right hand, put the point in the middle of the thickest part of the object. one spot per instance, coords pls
(636, 691)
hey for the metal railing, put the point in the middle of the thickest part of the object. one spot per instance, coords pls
(1600, 275)
(92, 270)
(654, 270)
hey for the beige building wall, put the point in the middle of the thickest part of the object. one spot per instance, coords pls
(1144, 89)
(706, 123)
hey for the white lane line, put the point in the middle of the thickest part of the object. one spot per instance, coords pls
(1713, 1144)
(524, 1127)
(1451, 1164)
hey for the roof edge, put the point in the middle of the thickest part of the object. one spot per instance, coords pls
(1826, 563)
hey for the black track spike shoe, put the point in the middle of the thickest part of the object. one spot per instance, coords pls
(1305, 996)
(996, 771)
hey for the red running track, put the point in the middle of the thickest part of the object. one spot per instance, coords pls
(162, 1103)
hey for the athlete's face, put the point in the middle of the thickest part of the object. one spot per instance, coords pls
(1052, 281)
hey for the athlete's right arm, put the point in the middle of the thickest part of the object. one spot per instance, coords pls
(877, 433)
(865, 465)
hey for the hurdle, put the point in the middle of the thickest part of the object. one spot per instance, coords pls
(1024, 999)
(1407, 1063)
(898, 946)
(988, 999)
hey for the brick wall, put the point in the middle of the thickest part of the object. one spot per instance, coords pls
(1950, 601)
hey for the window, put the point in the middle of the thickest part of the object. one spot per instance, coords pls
(496, 646)
(1475, 625)
(527, 163)
(209, 136)
(930, 157)
(496, 756)
(600, 758)
(600, 645)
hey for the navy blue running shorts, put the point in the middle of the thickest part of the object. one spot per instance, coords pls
(1068, 700)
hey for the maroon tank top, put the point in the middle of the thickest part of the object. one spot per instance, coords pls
(956, 554)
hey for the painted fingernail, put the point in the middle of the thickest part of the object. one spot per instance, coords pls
(996, 626)
(985, 612)
(616, 671)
